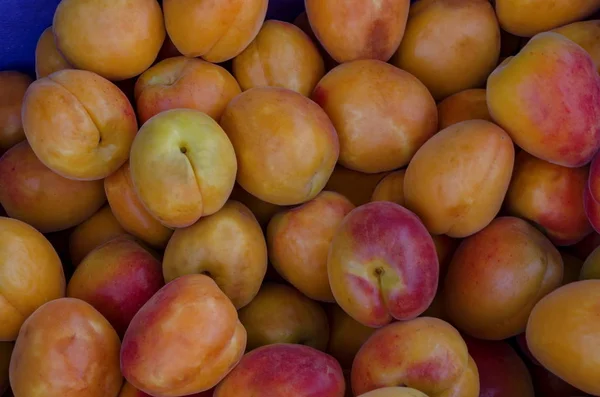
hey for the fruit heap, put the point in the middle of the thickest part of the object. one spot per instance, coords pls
(382, 199)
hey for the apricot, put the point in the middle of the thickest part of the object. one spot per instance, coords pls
(32, 193)
(281, 314)
(227, 26)
(262, 210)
(31, 271)
(93, 232)
(390, 188)
(13, 86)
(506, 268)
(425, 353)
(394, 392)
(47, 57)
(303, 23)
(358, 187)
(450, 46)
(129, 391)
(354, 30)
(382, 114)
(465, 105)
(187, 83)
(6, 349)
(562, 339)
(182, 166)
(189, 333)
(129, 210)
(284, 370)
(92, 137)
(228, 246)
(554, 108)
(529, 17)
(66, 349)
(116, 40)
(281, 55)
(586, 34)
(382, 264)
(502, 373)
(346, 336)
(117, 278)
(457, 181)
(285, 144)
(298, 242)
(550, 196)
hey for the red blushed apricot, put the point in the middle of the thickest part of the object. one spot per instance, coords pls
(79, 124)
(93, 232)
(346, 336)
(358, 187)
(502, 373)
(353, 30)
(284, 370)
(506, 268)
(47, 57)
(426, 354)
(189, 333)
(32, 193)
(550, 196)
(563, 335)
(66, 349)
(457, 181)
(117, 278)
(129, 391)
(382, 114)
(286, 146)
(117, 40)
(462, 106)
(382, 264)
(182, 82)
(450, 46)
(299, 240)
(390, 188)
(262, 210)
(281, 314)
(130, 211)
(547, 98)
(6, 349)
(585, 34)
(228, 246)
(282, 55)
(13, 86)
(228, 26)
(31, 274)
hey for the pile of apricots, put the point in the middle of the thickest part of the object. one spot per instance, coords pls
(378, 199)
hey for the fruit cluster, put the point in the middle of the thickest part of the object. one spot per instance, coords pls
(381, 199)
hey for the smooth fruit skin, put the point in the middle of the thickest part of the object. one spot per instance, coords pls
(79, 124)
(554, 108)
(281, 314)
(346, 336)
(31, 271)
(584, 33)
(394, 392)
(129, 210)
(353, 30)
(450, 45)
(281, 55)
(562, 334)
(458, 179)
(66, 349)
(13, 86)
(47, 57)
(465, 105)
(285, 144)
(183, 166)
(382, 114)
(550, 196)
(34, 194)
(390, 188)
(228, 246)
(529, 17)
(506, 268)
(189, 333)
(298, 242)
(382, 264)
(188, 83)
(227, 26)
(284, 370)
(90, 35)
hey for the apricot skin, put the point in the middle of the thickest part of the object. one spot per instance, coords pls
(465, 105)
(47, 57)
